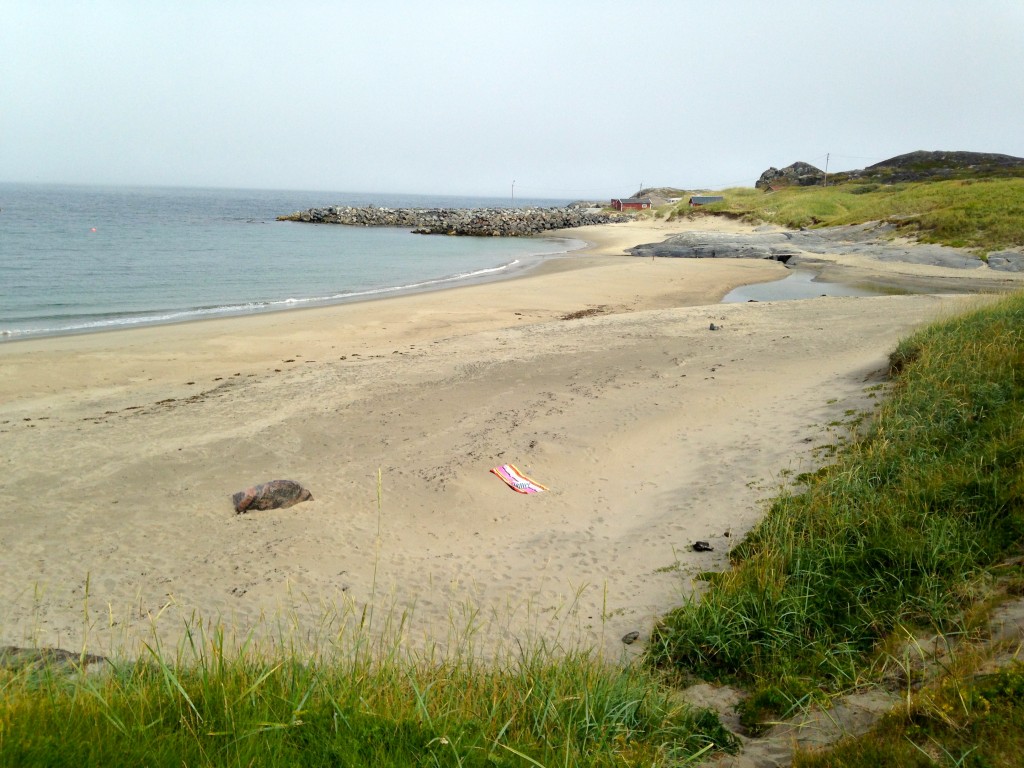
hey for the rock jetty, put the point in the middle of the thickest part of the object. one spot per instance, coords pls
(474, 222)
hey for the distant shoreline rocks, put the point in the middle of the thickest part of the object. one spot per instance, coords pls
(471, 222)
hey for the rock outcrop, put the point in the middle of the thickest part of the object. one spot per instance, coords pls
(475, 222)
(800, 248)
(935, 166)
(798, 174)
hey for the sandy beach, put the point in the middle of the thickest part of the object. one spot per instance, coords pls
(596, 374)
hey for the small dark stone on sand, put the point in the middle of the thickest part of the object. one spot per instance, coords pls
(14, 659)
(630, 637)
(702, 546)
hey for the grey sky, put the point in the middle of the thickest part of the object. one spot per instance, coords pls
(569, 99)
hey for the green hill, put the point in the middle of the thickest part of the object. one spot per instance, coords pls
(927, 166)
(983, 214)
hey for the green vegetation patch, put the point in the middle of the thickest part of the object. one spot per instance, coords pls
(975, 723)
(981, 214)
(280, 710)
(900, 531)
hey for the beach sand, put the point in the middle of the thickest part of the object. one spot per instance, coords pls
(596, 374)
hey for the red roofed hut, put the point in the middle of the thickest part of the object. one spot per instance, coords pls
(632, 204)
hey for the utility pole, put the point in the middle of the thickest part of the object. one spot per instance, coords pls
(513, 193)
(826, 168)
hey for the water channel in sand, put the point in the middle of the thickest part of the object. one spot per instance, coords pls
(800, 284)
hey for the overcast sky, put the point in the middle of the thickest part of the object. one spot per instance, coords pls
(567, 99)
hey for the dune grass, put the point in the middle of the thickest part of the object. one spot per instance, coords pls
(975, 722)
(206, 706)
(340, 695)
(900, 532)
(981, 214)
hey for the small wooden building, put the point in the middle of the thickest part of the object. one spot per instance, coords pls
(698, 200)
(631, 204)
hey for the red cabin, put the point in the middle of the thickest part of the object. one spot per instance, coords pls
(632, 204)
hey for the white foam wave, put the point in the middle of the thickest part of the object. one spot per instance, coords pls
(178, 316)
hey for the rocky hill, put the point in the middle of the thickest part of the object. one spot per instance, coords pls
(798, 174)
(927, 166)
(666, 193)
(913, 166)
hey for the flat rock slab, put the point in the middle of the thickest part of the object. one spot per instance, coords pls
(793, 248)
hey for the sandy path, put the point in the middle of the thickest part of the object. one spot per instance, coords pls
(120, 452)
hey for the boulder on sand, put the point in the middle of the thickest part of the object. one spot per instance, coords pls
(276, 494)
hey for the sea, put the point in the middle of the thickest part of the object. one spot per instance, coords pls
(81, 259)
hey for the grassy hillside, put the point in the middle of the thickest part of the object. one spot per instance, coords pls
(913, 526)
(984, 215)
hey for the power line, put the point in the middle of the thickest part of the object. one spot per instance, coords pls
(857, 157)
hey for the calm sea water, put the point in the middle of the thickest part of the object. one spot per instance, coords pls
(81, 259)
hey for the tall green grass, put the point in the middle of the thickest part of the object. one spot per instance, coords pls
(347, 703)
(899, 531)
(975, 721)
(981, 214)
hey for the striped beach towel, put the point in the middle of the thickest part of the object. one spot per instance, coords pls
(516, 480)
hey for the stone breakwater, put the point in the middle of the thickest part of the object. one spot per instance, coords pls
(474, 222)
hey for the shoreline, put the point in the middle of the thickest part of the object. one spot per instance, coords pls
(507, 271)
(596, 374)
(604, 247)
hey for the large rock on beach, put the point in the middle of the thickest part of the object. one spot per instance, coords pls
(276, 494)
(1007, 261)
